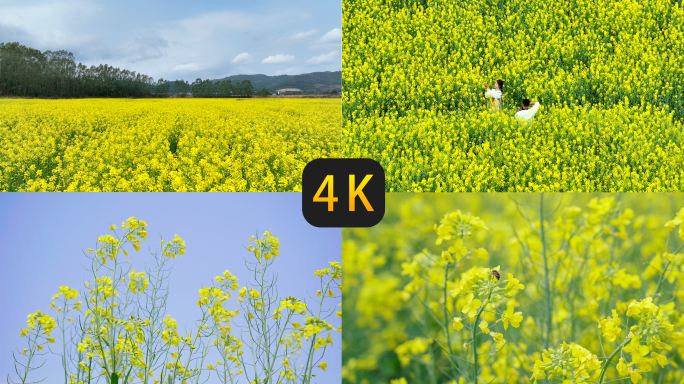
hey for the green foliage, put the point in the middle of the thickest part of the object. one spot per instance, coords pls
(29, 72)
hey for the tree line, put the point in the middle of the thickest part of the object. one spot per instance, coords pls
(219, 88)
(28, 72)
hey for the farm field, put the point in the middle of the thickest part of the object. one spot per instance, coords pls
(516, 288)
(163, 144)
(609, 76)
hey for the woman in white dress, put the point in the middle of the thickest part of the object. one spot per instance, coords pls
(495, 95)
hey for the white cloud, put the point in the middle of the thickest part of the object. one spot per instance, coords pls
(49, 16)
(334, 36)
(147, 46)
(278, 59)
(331, 40)
(186, 68)
(325, 58)
(211, 25)
(303, 35)
(49, 24)
(243, 57)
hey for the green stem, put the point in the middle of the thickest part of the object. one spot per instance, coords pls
(90, 368)
(664, 272)
(264, 330)
(610, 358)
(446, 315)
(280, 337)
(31, 351)
(251, 343)
(662, 276)
(474, 334)
(547, 286)
(64, 363)
(207, 344)
(309, 358)
(474, 338)
(98, 319)
(112, 342)
(150, 327)
(309, 361)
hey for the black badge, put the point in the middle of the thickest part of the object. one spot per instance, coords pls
(343, 192)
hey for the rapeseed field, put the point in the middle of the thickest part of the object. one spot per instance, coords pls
(608, 75)
(163, 144)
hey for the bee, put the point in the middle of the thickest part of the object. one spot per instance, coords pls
(496, 274)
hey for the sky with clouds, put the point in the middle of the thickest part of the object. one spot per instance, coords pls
(183, 39)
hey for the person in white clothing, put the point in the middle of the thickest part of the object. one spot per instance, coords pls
(495, 95)
(528, 110)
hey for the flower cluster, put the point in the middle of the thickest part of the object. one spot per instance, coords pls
(68, 293)
(227, 280)
(677, 222)
(39, 321)
(137, 282)
(335, 271)
(487, 284)
(174, 248)
(315, 326)
(170, 331)
(569, 362)
(291, 305)
(484, 291)
(457, 225)
(652, 328)
(266, 247)
(416, 347)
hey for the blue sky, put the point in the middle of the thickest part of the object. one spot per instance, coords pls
(183, 39)
(43, 234)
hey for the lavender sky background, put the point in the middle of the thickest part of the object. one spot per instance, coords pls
(42, 236)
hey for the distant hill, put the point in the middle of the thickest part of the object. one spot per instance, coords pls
(259, 81)
(310, 82)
